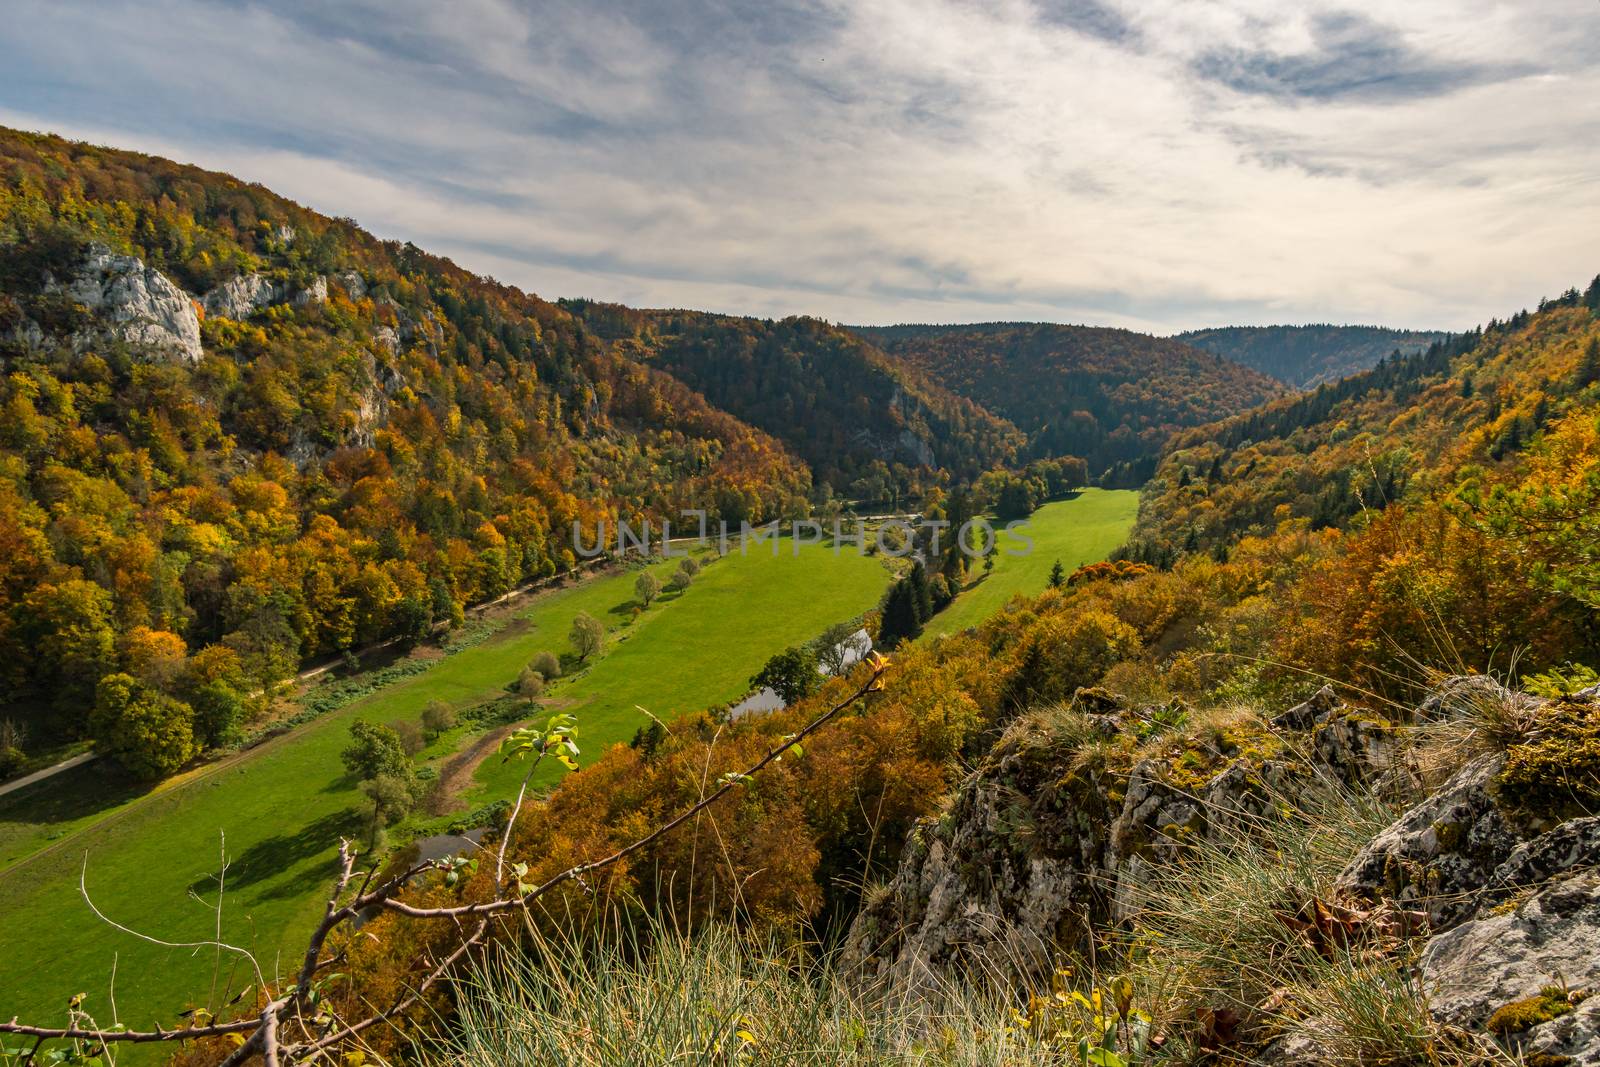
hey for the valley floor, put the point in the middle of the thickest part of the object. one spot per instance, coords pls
(1083, 529)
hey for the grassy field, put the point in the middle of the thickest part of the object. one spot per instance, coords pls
(690, 654)
(152, 858)
(1081, 530)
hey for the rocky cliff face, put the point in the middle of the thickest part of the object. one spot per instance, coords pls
(135, 302)
(238, 298)
(1047, 844)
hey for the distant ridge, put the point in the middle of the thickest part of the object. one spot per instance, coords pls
(1307, 356)
(1112, 396)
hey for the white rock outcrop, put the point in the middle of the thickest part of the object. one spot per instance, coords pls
(237, 298)
(354, 285)
(139, 304)
(315, 293)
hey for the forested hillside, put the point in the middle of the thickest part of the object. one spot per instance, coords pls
(1414, 427)
(1306, 356)
(235, 433)
(870, 427)
(1110, 396)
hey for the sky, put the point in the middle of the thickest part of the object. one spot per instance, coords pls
(1164, 165)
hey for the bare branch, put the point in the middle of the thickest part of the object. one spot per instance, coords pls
(83, 888)
(511, 820)
(137, 1037)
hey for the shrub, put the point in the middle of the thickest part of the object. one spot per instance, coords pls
(530, 683)
(689, 566)
(548, 664)
(410, 734)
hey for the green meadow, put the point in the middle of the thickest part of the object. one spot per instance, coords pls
(1083, 529)
(700, 651)
(150, 859)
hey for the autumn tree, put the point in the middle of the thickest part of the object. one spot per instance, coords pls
(587, 635)
(646, 588)
(67, 626)
(144, 730)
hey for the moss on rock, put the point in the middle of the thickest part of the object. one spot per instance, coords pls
(1522, 1015)
(1555, 773)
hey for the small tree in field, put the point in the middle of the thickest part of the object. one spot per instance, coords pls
(792, 674)
(587, 635)
(647, 587)
(678, 582)
(530, 683)
(392, 797)
(377, 755)
(437, 717)
(1058, 576)
(689, 566)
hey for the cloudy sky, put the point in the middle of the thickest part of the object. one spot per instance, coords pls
(1161, 165)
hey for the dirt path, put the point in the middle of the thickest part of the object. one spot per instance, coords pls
(457, 773)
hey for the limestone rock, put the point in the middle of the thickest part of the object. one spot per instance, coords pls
(1357, 746)
(1007, 876)
(1440, 853)
(915, 448)
(26, 333)
(139, 304)
(1306, 716)
(352, 283)
(1553, 938)
(315, 293)
(1148, 833)
(238, 298)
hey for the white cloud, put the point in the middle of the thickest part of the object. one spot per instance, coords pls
(893, 160)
